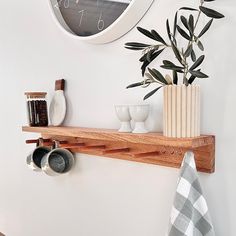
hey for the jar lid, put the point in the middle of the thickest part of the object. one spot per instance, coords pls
(35, 94)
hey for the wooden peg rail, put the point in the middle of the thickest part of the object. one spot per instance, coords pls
(151, 148)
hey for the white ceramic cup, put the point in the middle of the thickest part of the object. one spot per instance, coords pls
(139, 114)
(122, 112)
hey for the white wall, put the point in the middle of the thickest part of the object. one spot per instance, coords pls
(104, 197)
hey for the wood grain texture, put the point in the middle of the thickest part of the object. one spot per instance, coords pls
(151, 148)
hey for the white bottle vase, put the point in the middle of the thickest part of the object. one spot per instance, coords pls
(181, 111)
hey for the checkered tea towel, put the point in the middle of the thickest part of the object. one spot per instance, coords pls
(189, 216)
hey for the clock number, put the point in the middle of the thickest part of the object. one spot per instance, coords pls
(81, 16)
(66, 3)
(58, 4)
(101, 23)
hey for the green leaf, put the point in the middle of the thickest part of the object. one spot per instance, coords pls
(188, 9)
(183, 33)
(144, 57)
(134, 44)
(198, 62)
(175, 77)
(170, 67)
(135, 85)
(168, 29)
(192, 78)
(146, 33)
(185, 22)
(191, 24)
(206, 27)
(152, 57)
(175, 23)
(166, 62)
(134, 48)
(151, 93)
(158, 37)
(144, 66)
(157, 75)
(188, 51)
(149, 55)
(211, 13)
(200, 45)
(176, 52)
(193, 56)
(198, 74)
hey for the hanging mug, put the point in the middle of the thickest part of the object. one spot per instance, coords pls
(33, 160)
(57, 161)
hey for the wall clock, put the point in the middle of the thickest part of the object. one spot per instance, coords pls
(99, 21)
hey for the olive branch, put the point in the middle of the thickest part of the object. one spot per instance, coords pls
(188, 63)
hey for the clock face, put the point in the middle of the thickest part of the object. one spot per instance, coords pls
(89, 17)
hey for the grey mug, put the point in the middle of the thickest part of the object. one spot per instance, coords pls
(34, 159)
(57, 161)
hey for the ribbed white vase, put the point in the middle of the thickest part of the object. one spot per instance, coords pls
(181, 111)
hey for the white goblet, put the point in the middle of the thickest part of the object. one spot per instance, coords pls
(139, 114)
(122, 112)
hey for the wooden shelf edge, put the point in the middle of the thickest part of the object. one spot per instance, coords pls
(154, 147)
(110, 134)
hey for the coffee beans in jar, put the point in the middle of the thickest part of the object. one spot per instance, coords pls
(37, 108)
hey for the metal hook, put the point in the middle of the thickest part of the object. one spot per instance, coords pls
(56, 144)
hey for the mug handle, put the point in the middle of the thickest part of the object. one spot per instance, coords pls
(39, 142)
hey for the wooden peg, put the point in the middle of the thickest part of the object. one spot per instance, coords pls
(31, 141)
(118, 150)
(46, 142)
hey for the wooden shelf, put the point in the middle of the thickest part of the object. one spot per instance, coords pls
(151, 148)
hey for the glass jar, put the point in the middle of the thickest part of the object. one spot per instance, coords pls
(37, 108)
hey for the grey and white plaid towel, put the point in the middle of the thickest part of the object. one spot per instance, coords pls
(190, 216)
